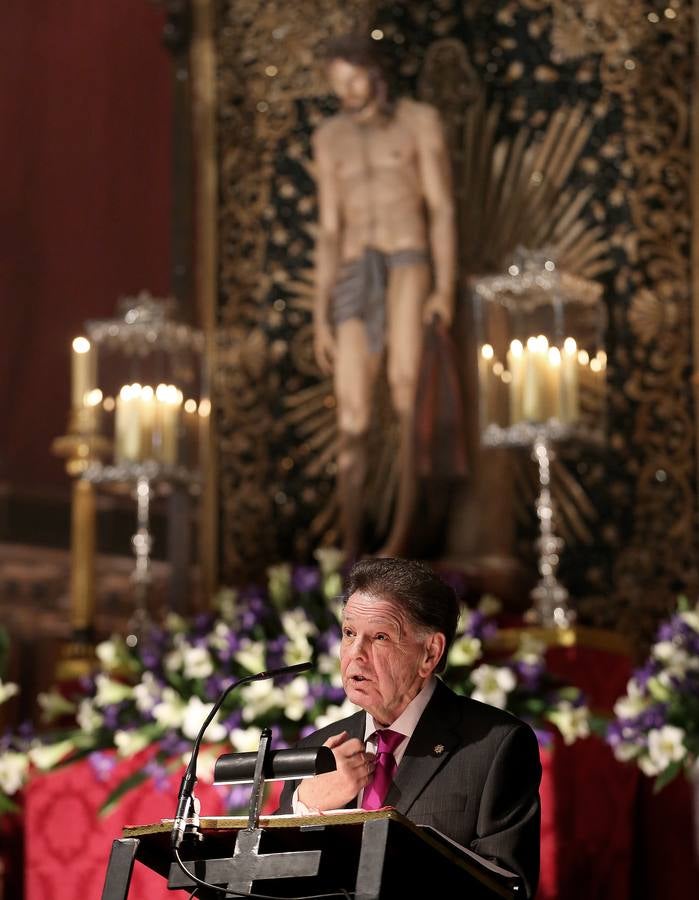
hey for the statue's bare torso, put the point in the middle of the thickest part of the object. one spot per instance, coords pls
(380, 194)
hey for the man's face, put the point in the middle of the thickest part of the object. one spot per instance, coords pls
(384, 659)
(351, 84)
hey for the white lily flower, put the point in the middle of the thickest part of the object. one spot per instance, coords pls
(129, 743)
(246, 740)
(195, 713)
(330, 560)
(489, 605)
(46, 756)
(465, 651)
(13, 771)
(251, 655)
(259, 698)
(531, 650)
(329, 664)
(170, 711)
(147, 693)
(624, 751)
(175, 623)
(297, 651)
(220, 636)
(648, 767)
(493, 684)
(110, 691)
(666, 745)
(691, 617)
(279, 582)
(633, 703)
(334, 713)
(7, 689)
(197, 662)
(295, 694)
(111, 653)
(225, 602)
(296, 624)
(332, 587)
(54, 705)
(88, 718)
(573, 722)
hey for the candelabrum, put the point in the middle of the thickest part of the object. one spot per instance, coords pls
(541, 379)
(138, 383)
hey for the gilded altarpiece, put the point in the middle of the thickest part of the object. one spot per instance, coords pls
(569, 127)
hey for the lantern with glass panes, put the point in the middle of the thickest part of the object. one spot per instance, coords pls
(541, 380)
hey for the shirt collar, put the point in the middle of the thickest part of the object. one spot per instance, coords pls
(406, 723)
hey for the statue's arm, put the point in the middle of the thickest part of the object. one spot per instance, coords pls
(435, 174)
(327, 249)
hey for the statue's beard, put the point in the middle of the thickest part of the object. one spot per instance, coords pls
(376, 97)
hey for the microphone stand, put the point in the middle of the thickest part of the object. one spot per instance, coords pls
(187, 814)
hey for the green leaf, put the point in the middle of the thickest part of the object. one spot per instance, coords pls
(7, 805)
(666, 776)
(128, 784)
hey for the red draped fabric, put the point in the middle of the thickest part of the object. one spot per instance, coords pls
(86, 108)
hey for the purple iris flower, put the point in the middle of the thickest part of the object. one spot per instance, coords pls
(306, 579)
(102, 764)
(159, 774)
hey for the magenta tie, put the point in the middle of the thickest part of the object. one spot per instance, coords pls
(375, 792)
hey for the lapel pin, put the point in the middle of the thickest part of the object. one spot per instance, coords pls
(438, 749)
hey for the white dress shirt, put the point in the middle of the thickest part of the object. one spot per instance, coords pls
(405, 724)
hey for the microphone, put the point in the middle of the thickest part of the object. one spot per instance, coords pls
(185, 798)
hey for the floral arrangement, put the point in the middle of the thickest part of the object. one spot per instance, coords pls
(657, 721)
(521, 683)
(157, 693)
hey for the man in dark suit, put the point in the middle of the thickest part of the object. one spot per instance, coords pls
(468, 769)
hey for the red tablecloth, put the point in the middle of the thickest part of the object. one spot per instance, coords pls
(604, 835)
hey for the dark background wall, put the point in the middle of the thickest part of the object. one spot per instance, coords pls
(85, 103)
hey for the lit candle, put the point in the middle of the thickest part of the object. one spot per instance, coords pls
(146, 416)
(531, 388)
(553, 384)
(127, 430)
(169, 402)
(484, 366)
(191, 431)
(515, 366)
(570, 401)
(82, 371)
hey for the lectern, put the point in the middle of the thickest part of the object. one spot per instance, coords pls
(377, 855)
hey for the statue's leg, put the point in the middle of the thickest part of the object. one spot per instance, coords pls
(408, 287)
(355, 372)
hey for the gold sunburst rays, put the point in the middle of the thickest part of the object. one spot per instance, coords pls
(575, 513)
(512, 192)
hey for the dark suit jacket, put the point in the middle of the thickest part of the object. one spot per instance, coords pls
(481, 790)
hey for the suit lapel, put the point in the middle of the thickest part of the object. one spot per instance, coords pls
(355, 727)
(432, 743)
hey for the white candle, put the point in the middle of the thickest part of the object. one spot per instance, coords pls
(146, 418)
(531, 389)
(570, 399)
(485, 361)
(515, 366)
(552, 408)
(169, 402)
(82, 371)
(127, 429)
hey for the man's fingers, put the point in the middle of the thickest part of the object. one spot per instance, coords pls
(336, 739)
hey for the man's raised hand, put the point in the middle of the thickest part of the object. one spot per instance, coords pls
(335, 789)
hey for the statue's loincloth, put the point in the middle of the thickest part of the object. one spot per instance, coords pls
(360, 291)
